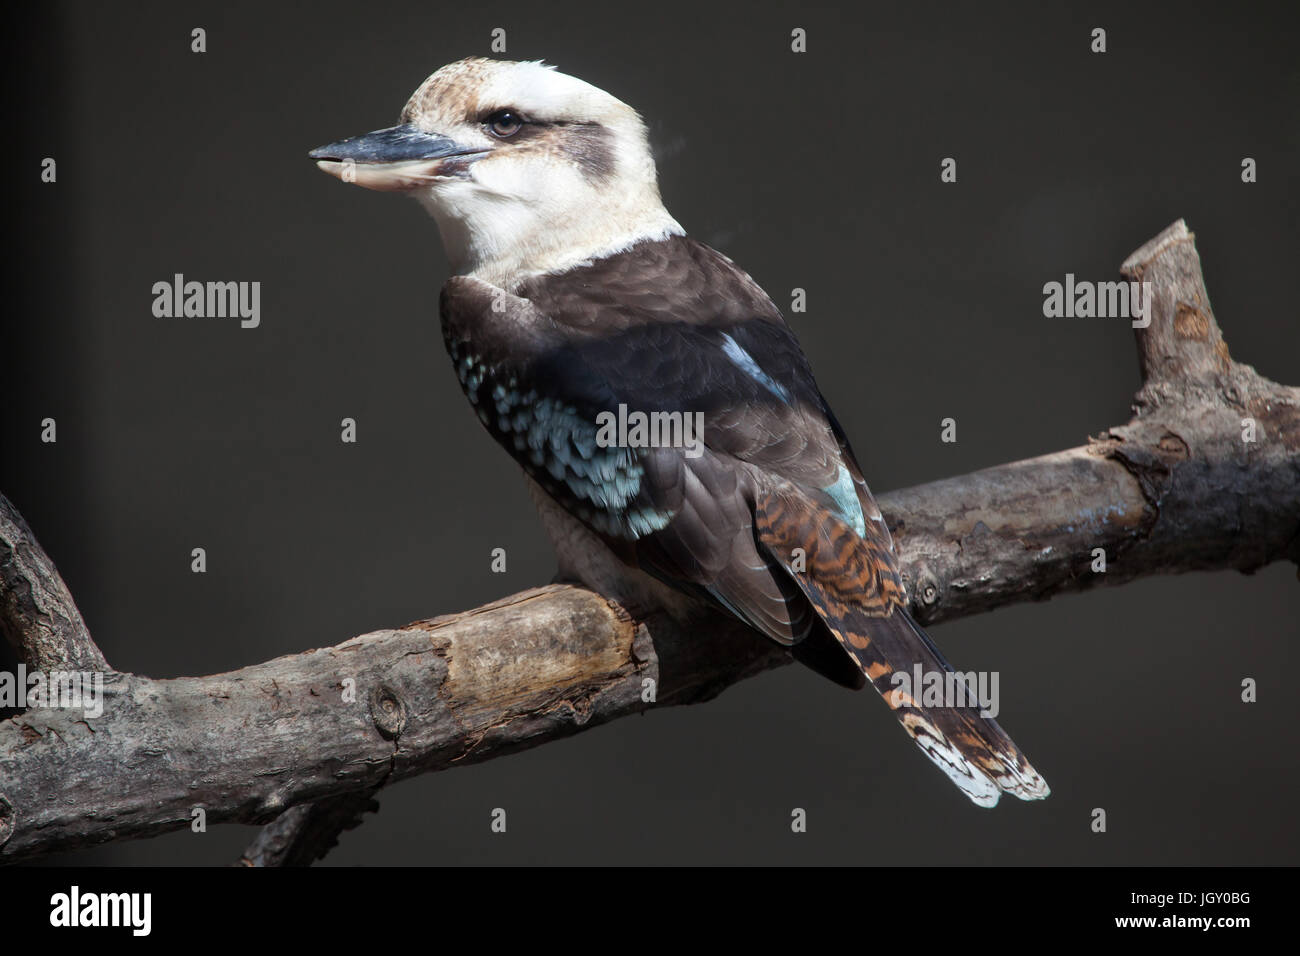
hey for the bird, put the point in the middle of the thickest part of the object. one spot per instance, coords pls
(576, 296)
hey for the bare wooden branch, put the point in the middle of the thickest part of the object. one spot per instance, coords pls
(1177, 488)
(304, 834)
(37, 614)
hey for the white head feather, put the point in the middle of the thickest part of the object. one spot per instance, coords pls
(580, 184)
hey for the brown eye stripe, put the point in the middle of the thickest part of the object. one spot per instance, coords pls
(589, 145)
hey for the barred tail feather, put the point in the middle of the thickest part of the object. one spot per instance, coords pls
(975, 753)
(850, 577)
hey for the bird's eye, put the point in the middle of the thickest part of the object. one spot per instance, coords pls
(504, 123)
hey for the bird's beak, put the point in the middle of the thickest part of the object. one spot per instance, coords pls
(397, 158)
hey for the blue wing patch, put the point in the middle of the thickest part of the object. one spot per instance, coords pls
(845, 496)
(745, 362)
(558, 447)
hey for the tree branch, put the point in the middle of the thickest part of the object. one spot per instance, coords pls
(37, 614)
(304, 834)
(316, 734)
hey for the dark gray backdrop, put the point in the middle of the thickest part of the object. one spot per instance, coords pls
(819, 171)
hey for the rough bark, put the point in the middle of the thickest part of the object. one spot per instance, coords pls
(304, 834)
(37, 614)
(310, 738)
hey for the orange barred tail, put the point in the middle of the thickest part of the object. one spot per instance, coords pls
(850, 577)
(975, 753)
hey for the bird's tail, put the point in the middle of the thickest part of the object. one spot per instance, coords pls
(852, 582)
(937, 707)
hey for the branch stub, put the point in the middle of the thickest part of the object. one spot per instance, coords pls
(388, 711)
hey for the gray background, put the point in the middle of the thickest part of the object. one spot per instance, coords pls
(819, 171)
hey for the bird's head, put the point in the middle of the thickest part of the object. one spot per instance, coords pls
(526, 170)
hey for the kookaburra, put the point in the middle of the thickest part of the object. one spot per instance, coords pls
(577, 297)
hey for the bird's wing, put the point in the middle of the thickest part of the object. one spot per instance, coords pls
(540, 387)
